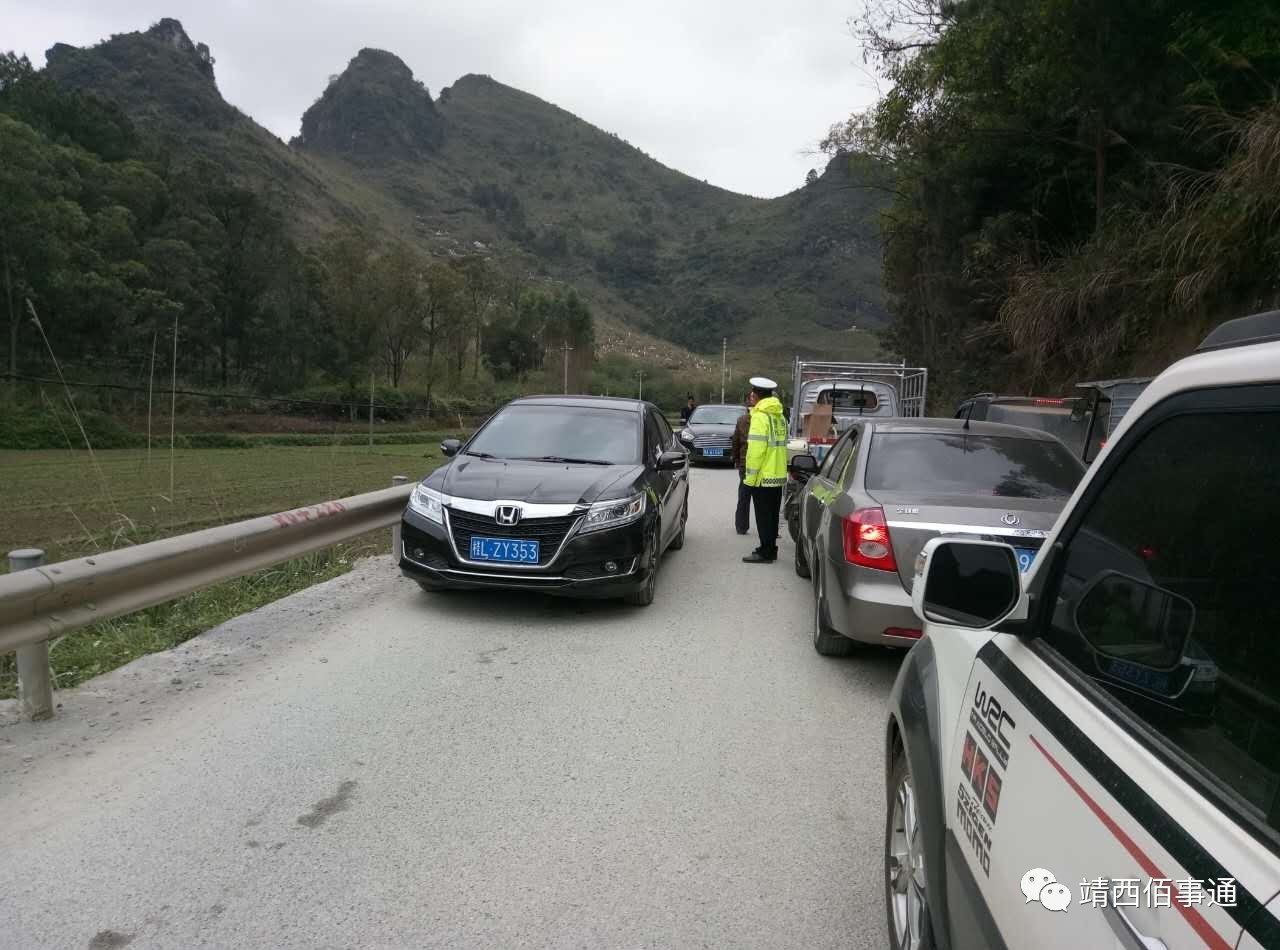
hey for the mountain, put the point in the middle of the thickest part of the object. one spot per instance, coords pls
(670, 264)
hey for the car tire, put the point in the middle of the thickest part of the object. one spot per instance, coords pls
(802, 563)
(793, 528)
(825, 640)
(678, 541)
(905, 884)
(644, 596)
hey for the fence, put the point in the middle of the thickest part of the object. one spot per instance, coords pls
(42, 602)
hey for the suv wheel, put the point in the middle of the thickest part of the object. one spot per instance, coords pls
(825, 640)
(678, 541)
(906, 894)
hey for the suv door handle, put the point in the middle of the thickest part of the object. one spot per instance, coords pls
(1129, 936)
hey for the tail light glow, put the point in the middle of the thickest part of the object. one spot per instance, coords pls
(867, 542)
(906, 633)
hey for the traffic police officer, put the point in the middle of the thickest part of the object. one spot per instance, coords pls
(766, 468)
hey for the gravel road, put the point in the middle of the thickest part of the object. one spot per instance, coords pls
(366, 765)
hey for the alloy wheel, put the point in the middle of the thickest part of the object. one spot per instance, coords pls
(904, 861)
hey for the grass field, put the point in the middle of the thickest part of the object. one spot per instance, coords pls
(71, 504)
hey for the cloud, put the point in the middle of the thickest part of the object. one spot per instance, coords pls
(728, 92)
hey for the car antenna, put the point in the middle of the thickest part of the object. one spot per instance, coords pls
(967, 416)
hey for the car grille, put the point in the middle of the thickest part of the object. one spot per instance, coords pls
(548, 532)
(712, 442)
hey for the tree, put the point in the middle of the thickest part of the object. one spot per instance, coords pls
(401, 305)
(442, 309)
(812, 177)
(480, 288)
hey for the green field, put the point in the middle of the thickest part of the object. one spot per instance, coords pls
(73, 503)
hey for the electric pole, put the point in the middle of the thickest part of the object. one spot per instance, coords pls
(724, 353)
(566, 349)
(640, 373)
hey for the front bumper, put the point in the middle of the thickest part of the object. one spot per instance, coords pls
(579, 568)
(699, 455)
(862, 603)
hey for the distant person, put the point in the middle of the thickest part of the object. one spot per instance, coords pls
(738, 452)
(766, 469)
(687, 410)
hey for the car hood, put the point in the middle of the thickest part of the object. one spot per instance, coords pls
(535, 482)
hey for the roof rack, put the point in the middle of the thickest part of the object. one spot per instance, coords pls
(1243, 331)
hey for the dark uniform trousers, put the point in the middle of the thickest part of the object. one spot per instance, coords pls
(768, 505)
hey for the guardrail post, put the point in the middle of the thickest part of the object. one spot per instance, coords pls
(35, 679)
(395, 528)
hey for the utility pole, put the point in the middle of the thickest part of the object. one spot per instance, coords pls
(724, 353)
(640, 373)
(566, 349)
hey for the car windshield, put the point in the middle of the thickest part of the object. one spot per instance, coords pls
(588, 433)
(955, 463)
(717, 415)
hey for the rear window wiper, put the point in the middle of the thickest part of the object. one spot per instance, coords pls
(562, 458)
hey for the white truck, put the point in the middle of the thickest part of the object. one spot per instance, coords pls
(827, 398)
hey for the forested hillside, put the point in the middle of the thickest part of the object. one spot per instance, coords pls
(453, 242)
(1081, 189)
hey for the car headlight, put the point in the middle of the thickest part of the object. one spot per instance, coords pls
(614, 514)
(686, 435)
(429, 503)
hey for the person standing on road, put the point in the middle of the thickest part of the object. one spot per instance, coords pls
(766, 469)
(687, 410)
(738, 451)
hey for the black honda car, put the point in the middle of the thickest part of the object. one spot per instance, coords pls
(573, 495)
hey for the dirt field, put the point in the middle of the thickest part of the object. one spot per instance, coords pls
(70, 504)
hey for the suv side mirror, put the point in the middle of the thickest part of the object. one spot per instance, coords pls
(974, 584)
(672, 461)
(802, 466)
(450, 446)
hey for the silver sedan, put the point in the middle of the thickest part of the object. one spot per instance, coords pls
(888, 487)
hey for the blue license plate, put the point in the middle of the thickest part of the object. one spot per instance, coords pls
(1025, 557)
(506, 550)
(713, 453)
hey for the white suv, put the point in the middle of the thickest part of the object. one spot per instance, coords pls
(1089, 755)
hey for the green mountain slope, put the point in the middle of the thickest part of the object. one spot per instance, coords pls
(670, 264)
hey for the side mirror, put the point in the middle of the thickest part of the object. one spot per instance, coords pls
(1135, 622)
(803, 466)
(973, 584)
(672, 461)
(450, 446)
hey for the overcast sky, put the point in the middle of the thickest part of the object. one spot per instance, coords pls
(733, 92)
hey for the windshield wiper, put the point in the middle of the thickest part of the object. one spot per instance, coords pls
(481, 455)
(562, 458)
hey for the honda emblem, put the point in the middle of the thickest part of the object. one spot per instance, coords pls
(507, 515)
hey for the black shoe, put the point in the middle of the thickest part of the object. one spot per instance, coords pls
(743, 530)
(755, 557)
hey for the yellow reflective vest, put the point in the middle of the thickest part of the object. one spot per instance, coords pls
(767, 446)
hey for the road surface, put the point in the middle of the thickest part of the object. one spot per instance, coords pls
(366, 765)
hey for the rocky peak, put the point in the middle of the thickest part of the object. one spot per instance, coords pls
(374, 111)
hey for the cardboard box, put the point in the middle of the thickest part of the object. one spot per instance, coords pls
(817, 424)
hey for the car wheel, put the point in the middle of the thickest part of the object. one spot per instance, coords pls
(825, 640)
(644, 596)
(793, 528)
(678, 541)
(905, 886)
(802, 563)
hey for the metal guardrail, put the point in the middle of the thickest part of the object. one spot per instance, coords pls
(47, 600)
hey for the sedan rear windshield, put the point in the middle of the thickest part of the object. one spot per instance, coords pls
(717, 415)
(947, 463)
(561, 432)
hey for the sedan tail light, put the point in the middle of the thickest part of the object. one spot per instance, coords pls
(866, 540)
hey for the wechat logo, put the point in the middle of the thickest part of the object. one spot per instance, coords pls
(1040, 885)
